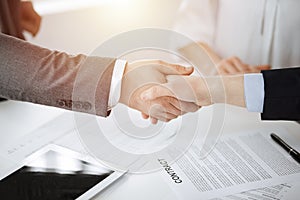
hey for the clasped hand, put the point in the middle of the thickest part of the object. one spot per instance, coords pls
(148, 75)
(164, 91)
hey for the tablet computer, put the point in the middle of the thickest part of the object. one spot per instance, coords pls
(55, 172)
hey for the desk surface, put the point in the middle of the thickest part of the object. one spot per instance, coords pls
(19, 119)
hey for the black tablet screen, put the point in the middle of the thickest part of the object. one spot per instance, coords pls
(52, 176)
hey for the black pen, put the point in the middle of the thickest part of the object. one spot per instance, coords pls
(294, 153)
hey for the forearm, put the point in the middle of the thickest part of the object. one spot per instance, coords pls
(225, 89)
(34, 74)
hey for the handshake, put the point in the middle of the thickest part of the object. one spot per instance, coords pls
(163, 91)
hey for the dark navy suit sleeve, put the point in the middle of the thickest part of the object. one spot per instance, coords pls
(282, 94)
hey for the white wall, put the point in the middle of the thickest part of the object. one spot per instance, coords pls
(80, 30)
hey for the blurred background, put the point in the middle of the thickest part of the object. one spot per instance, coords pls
(79, 26)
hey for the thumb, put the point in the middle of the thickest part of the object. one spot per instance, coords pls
(173, 69)
(156, 92)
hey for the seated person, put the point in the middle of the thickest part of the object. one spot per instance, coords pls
(245, 36)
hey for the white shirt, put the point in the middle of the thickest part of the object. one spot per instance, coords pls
(116, 82)
(254, 92)
(257, 31)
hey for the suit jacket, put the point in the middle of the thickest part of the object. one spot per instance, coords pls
(282, 94)
(10, 19)
(38, 75)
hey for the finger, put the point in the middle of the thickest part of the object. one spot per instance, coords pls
(210, 52)
(222, 67)
(222, 70)
(171, 105)
(161, 112)
(169, 116)
(242, 67)
(187, 107)
(31, 28)
(30, 19)
(183, 106)
(230, 68)
(173, 109)
(258, 69)
(174, 69)
(164, 117)
(163, 106)
(253, 70)
(156, 92)
(145, 116)
(28, 26)
(153, 120)
(263, 67)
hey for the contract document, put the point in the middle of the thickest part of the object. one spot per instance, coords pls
(280, 191)
(237, 163)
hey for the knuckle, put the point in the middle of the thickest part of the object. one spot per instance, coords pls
(171, 100)
(178, 112)
(160, 62)
(154, 90)
(179, 68)
(176, 68)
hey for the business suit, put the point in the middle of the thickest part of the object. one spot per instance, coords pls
(282, 94)
(38, 75)
(10, 19)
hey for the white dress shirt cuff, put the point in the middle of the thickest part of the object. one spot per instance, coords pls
(116, 83)
(254, 92)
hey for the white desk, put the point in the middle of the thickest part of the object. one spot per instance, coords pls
(21, 119)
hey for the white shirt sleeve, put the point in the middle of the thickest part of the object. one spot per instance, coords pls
(254, 92)
(116, 83)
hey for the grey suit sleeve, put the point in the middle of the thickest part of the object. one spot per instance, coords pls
(38, 75)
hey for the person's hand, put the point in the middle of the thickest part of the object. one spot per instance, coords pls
(199, 90)
(234, 65)
(185, 88)
(30, 19)
(141, 75)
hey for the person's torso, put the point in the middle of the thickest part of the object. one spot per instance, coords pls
(259, 31)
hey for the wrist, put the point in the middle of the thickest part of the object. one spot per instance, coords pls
(226, 89)
(215, 89)
(203, 90)
(234, 90)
